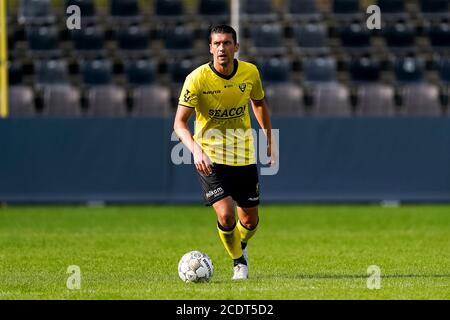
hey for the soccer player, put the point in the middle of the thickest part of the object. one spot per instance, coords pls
(224, 156)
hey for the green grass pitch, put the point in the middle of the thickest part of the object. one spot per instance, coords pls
(299, 252)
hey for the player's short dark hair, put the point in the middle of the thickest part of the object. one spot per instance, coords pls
(223, 28)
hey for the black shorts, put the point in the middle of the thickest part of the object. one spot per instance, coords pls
(239, 182)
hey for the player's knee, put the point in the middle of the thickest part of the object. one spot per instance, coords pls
(249, 222)
(226, 221)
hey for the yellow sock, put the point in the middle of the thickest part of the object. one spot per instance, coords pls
(232, 242)
(245, 233)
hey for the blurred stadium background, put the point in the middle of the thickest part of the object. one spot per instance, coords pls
(363, 113)
(363, 118)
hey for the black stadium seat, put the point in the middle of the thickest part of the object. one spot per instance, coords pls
(133, 40)
(126, 11)
(140, 72)
(258, 11)
(355, 38)
(261, 32)
(434, 9)
(311, 38)
(213, 8)
(320, 69)
(400, 37)
(303, 10)
(35, 12)
(439, 35)
(89, 41)
(88, 9)
(392, 9)
(96, 72)
(43, 41)
(51, 72)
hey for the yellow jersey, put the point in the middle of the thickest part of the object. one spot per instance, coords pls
(221, 103)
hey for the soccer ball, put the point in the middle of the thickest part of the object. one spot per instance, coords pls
(195, 266)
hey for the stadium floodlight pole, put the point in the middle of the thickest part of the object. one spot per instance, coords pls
(235, 19)
(3, 61)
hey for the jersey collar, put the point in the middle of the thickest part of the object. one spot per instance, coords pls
(236, 65)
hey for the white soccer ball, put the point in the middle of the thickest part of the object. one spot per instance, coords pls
(195, 266)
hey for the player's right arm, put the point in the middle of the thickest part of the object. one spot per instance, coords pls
(202, 162)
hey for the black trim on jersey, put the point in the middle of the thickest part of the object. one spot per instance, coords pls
(186, 106)
(236, 65)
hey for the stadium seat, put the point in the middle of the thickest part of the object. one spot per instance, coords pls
(126, 11)
(311, 38)
(346, 10)
(393, 9)
(400, 38)
(258, 11)
(140, 72)
(365, 69)
(133, 40)
(259, 36)
(12, 40)
(275, 70)
(96, 72)
(373, 97)
(169, 10)
(375, 100)
(418, 98)
(61, 100)
(106, 101)
(218, 9)
(179, 69)
(434, 9)
(51, 72)
(35, 12)
(285, 99)
(104, 98)
(21, 101)
(151, 101)
(180, 40)
(355, 38)
(43, 41)
(89, 41)
(87, 7)
(409, 69)
(303, 10)
(15, 73)
(319, 69)
(330, 99)
(439, 35)
(444, 70)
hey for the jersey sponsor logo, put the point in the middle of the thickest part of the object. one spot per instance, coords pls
(188, 96)
(212, 92)
(243, 86)
(214, 193)
(227, 113)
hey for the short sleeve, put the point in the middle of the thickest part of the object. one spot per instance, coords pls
(188, 96)
(257, 90)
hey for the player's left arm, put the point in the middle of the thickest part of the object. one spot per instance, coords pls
(261, 111)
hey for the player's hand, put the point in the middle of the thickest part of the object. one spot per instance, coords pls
(202, 162)
(272, 154)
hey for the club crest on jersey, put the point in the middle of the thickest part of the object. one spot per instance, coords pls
(243, 86)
